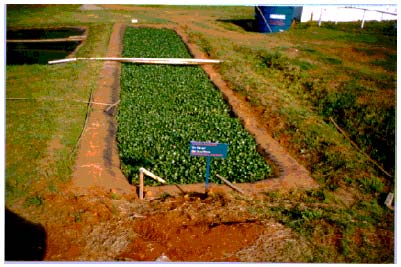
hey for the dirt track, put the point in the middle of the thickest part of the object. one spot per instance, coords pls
(98, 163)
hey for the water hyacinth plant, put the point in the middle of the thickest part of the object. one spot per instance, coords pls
(164, 107)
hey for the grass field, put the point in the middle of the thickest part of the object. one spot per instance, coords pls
(300, 80)
(41, 136)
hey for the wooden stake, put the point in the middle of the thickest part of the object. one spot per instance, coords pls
(357, 147)
(230, 184)
(142, 173)
(112, 105)
(140, 185)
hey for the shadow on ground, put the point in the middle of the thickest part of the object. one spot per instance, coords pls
(248, 25)
(24, 240)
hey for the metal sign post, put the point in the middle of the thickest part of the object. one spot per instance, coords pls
(208, 150)
(207, 173)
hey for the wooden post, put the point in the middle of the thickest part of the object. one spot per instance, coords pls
(142, 173)
(230, 184)
(141, 184)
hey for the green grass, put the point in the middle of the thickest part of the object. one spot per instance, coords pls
(31, 124)
(41, 135)
(322, 78)
(21, 168)
(335, 233)
(297, 99)
(70, 15)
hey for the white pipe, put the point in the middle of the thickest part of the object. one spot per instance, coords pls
(174, 61)
(62, 60)
(363, 19)
(151, 175)
(143, 171)
(320, 18)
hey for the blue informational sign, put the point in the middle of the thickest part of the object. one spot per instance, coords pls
(208, 150)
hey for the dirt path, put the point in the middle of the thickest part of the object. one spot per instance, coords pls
(98, 165)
